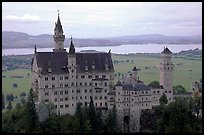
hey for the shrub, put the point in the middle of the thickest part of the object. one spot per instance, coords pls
(15, 85)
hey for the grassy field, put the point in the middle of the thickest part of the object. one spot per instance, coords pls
(24, 84)
(186, 71)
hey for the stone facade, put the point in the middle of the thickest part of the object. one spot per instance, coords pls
(166, 73)
(131, 95)
(67, 78)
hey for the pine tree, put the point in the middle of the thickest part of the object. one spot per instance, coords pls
(9, 107)
(80, 117)
(31, 114)
(114, 118)
(111, 121)
(92, 116)
(99, 121)
(163, 99)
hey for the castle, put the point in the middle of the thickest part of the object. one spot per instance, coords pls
(67, 78)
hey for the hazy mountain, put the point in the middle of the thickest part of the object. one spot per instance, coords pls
(22, 40)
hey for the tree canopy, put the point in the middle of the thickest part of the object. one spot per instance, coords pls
(163, 99)
(179, 89)
(177, 117)
(154, 84)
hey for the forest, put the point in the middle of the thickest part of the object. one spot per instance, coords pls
(179, 116)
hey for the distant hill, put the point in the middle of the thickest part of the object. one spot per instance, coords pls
(12, 39)
(158, 39)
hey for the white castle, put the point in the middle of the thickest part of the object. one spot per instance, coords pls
(67, 78)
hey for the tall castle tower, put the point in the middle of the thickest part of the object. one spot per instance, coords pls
(72, 71)
(166, 73)
(58, 37)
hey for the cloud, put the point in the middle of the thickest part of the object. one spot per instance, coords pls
(190, 24)
(24, 18)
(92, 19)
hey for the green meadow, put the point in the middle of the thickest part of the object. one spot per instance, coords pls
(23, 84)
(185, 72)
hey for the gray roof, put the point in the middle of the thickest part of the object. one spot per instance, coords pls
(97, 59)
(135, 69)
(71, 49)
(58, 25)
(136, 87)
(166, 51)
(58, 61)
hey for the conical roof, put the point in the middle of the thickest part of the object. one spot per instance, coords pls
(58, 25)
(166, 51)
(71, 48)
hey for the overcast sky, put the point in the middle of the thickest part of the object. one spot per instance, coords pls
(104, 19)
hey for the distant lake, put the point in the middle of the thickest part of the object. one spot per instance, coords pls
(122, 49)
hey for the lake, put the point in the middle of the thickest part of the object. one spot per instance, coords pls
(122, 49)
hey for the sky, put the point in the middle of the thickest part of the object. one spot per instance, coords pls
(104, 19)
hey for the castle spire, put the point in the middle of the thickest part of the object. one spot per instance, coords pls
(35, 49)
(58, 25)
(58, 36)
(71, 48)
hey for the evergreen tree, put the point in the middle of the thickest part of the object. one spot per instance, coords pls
(9, 107)
(87, 126)
(177, 117)
(154, 84)
(197, 105)
(11, 97)
(3, 101)
(31, 114)
(80, 117)
(111, 122)
(18, 106)
(99, 121)
(92, 116)
(179, 89)
(23, 102)
(163, 99)
(114, 119)
(8, 97)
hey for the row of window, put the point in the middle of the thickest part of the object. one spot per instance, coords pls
(100, 104)
(61, 78)
(61, 93)
(85, 97)
(66, 98)
(168, 68)
(62, 106)
(96, 84)
(90, 76)
(81, 84)
(135, 93)
(132, 105)
(156, 91)
(85, 104)
(82, 76)
(127, 99)
(100, 98)
(166, 91)
(78, 91)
